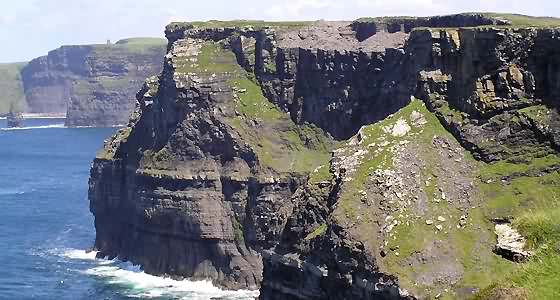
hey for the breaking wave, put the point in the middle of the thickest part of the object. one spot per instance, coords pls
(135, 283)
(34, 127)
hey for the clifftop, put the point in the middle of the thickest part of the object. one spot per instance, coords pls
(375, 159)
(93, 84)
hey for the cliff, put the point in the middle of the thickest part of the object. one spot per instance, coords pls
(93, 84)
(11, 87)
(328, 160)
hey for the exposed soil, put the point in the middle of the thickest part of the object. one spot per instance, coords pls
(339, 36)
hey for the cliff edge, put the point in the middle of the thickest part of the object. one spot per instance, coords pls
(93, 84)
(376, 159)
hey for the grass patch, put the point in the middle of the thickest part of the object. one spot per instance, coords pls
(212, 58)
(279, 143)
(532, 199)
(11, 87)
(131, 46)
(320, 230)
(509, 199)
(518, 20)
(496, 170)
(540, 226)
(252, 103)
(539, 278)
(256, 24)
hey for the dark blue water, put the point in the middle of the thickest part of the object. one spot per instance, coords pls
(46, 227)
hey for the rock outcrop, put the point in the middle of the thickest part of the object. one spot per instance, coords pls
(330, 160)
(201, 176)
(93, 84)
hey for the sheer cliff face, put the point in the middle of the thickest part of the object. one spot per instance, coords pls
(493, 78)
(95, 85)
(201, 178)
(333, 160)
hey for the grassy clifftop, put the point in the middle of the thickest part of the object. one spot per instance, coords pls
(518, 20)
(11, 87)
(241, 23)
(515, 20)
(279, 143)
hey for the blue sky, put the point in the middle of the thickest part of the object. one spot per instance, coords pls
(30, 28)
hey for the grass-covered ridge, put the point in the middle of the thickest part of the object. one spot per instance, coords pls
(279, 143)
(462, 247)
(11, 87)
(531, 199)
(516, 20)
(255, 24)
(131, 46)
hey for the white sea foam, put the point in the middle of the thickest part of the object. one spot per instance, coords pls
(78, 254)
(138, 284)
(34, 127)
(7, 192)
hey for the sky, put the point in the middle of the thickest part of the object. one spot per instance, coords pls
(30, 28)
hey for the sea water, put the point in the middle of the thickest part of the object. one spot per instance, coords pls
(46, 228)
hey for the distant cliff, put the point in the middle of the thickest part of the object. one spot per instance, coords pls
(94, 84)
(341, 160)
(11, 87)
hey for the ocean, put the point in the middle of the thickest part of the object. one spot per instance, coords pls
(46, 228)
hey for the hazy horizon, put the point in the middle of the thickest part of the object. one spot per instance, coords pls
(31, 28)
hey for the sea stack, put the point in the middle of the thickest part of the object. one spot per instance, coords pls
(14, 119)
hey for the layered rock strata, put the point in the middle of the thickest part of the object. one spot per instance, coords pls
(298, 158)
(93, 84)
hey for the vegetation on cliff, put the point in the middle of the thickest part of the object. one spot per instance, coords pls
(409, 206)
(11, 87)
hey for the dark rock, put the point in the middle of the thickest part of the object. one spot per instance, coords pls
(182, 192)
(14, 119)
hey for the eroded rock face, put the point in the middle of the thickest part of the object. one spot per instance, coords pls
(180, 191)
(207, 182)
(94, 85)
(496, 78)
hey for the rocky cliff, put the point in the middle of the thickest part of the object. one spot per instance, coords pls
(11, 88)
(93, 84)
(335, 161)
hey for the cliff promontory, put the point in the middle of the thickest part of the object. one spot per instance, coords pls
(385, 158)
(94, 85)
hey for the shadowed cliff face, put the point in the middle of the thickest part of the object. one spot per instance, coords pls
(316, 162)
(192, 180)
(492, 78)
(95, 84)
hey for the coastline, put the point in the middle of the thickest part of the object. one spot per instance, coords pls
(44, 115)
(41, 116)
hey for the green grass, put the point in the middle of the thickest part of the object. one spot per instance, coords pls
(495, 170)
(470, 246)
(320, 230)
(252, 103)
(320, 174)
(505, 200)
(539, 278)
(518, 20)
(144, 41)
(279, 143)
(532, 200)
(540, 226)
(256, 24)
(11, 87)
(131, 46)
(212, 58)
